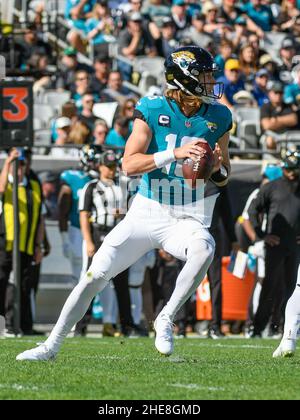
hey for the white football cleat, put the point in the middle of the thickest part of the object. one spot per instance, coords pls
(40, 353)
(286, 348)
(164, 334)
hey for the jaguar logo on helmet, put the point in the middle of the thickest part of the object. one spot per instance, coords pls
(190, 69)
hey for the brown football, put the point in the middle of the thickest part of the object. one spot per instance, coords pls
(199, 169)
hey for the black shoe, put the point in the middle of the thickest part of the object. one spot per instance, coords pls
(215, 333)
(180, 333)
(252, 332)
(275, 332)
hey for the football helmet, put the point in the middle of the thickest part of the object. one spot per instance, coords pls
(186, 69)
(291, 160)
(90, 156)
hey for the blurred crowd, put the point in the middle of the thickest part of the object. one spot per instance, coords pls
(114, 52)
(85, 94)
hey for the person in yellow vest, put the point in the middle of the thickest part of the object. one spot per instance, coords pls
(31, 231)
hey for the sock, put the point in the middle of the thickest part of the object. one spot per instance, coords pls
(199, 257)
(74, 309)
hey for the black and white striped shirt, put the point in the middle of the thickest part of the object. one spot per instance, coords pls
(102, 200)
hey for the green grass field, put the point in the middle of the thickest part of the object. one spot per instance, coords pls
(97, 368)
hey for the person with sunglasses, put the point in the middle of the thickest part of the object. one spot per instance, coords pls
(279, 200)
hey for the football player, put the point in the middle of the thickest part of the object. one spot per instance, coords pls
(287, 346)
(166, 130)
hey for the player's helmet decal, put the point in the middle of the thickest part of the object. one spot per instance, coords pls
(186, 69)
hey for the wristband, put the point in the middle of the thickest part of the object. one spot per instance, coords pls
(164, 158)
(220, 176)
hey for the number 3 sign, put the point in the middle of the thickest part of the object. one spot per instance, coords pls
(16, 121)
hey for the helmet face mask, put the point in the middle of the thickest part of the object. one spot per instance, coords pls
(191, 69)
(90, 158)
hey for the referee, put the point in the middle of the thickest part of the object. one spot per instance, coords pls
(100, 203)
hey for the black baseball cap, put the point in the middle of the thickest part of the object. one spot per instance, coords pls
(109, 158)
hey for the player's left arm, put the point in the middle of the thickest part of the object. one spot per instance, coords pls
(222, 167)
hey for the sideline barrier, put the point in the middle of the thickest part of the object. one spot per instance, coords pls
(236, 294)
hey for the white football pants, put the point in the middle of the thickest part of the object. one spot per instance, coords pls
(292, 313)
(147, 225)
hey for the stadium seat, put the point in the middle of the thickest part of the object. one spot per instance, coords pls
(153, 66)
(44, 113)
(56, 99)
(106, 111)
(248, 126)
(42, 137)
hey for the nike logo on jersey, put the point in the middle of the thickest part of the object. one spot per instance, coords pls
(164, 120)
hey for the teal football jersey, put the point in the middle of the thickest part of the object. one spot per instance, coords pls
(172, 129)
(76, 180)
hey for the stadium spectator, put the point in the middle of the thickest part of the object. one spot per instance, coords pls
(255, 42)
(63, 128)
(280, 201)
(127, 109)
(156, 9)
(39, 65)
(179, 16)
(292, 91)
(115, 91)
(240, 35)
(276, 116)
(210, 11)
(102, 65)
(82, 86)
(226, 49)
(134, 41)
(80, 133)
(69, 111)
(100, 132)
(288, 15)
(232, 81)
(164, 38)
(248, 62)
(68, 66)
(31, 234)
(76, 14)
(287, 52)
(31, 44)
(100, 27)
(86, 115)
(229, 11)
(261, 15)
(259, 90)
(266, 62)
(295, 32)
(196, 33)
(118, 135)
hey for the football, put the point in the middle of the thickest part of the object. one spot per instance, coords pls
(199, 169)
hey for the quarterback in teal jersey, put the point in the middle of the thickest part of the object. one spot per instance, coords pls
(166, 130)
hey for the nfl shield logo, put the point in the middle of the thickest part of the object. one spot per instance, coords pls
(187, 124)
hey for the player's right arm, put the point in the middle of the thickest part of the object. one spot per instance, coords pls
(136, 161)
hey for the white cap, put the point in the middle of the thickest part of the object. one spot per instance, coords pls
(63, 122)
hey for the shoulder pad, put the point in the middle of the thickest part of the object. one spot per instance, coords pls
(152, 101)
